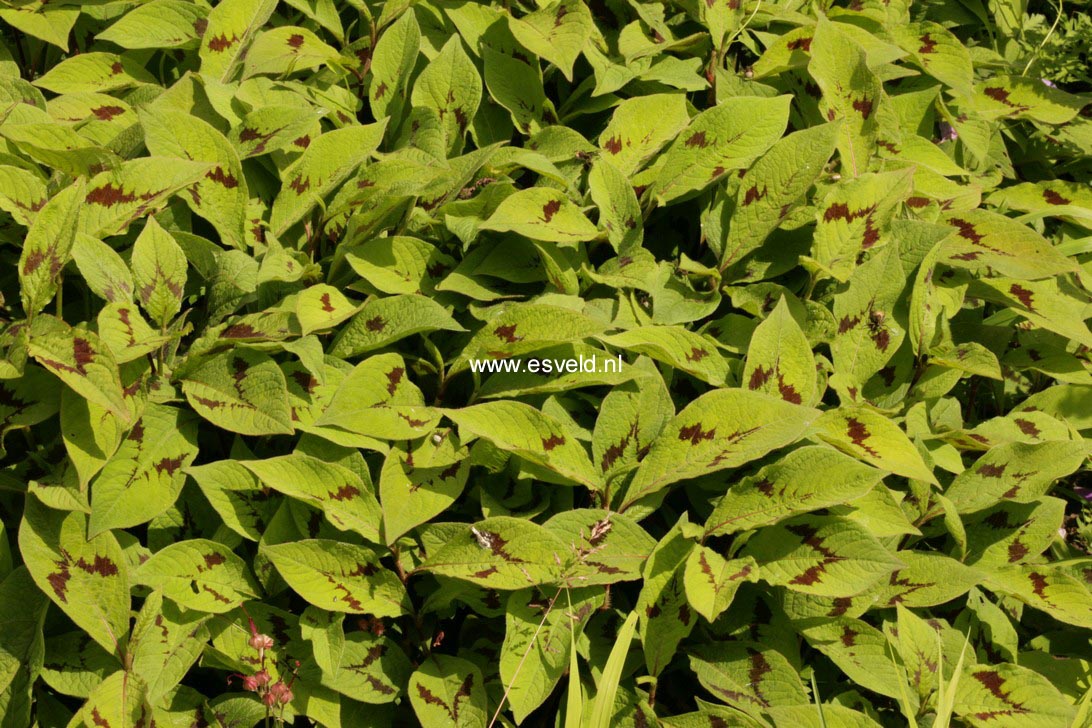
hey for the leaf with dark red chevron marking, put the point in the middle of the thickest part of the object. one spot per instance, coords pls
(448, 690)
(534, 436)
(869, 436)
(372, 668)
(721, 429)
(339, 577)
(824, 556)
(81, 360)
(502, 553)
(87, 578)
(145, 475)
(711, 581)
(779, 359)
(199, 574)
(809, 478)
(748, 676)
(347, 499)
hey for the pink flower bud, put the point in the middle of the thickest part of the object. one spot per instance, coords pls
(280, 692)
(250, 682)
(261, 642)
(269, 699)
(262, 677)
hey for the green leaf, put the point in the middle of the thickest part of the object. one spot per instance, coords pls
(21, 646)
(501, 553)
(869, 436)
(534, 436)
(79, 359)
(807, 479)
(326, 633)
(166, 643)
(1009, 533)
(322, 307)
(1025, 98)
(748, 676)
(639, 128)
(607, 547)
(392, 62)
(159, 272)
(399, 264)
(779, 360)
(285, 50)
(854, 218)
(1010, 693)
(630, 418)
(53, 24)
(939, 52)
(237, 496)
(774, 185)
(665, 615)
(726, 137)
(242, 391)
(47, 248)
(373, 669)
(377, 399)
(850, 91)
(87, 578)
(60, 147)
(448, 691)
(220, 195)
(1049, 304)
(985, 239)
(825, 556)
(272, 128)
(119, 700)
(539, 632)
(927, 579)
(94, 72)
(413, 492)
(450, 86)
(382, 321)
(104, 271)
(555, 32)
(346, 499)
(711, 581)
(720, 429)
(1014, 471)
(695, 354)
(517, 86)
(325, 164)
(231, 26)
(117, 198)
(157, 24)
(1046, 588)
(340, 577)
(858, 649)
(143, 478)
(198, 574)
(518, 328)
(22, 194)
(543, 214)
(869, 332)
(619, 212)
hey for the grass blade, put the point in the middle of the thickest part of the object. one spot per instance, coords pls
(603, 710)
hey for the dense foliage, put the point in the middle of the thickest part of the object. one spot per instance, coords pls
(255, 255)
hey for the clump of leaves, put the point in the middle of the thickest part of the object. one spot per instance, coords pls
(255, 470)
